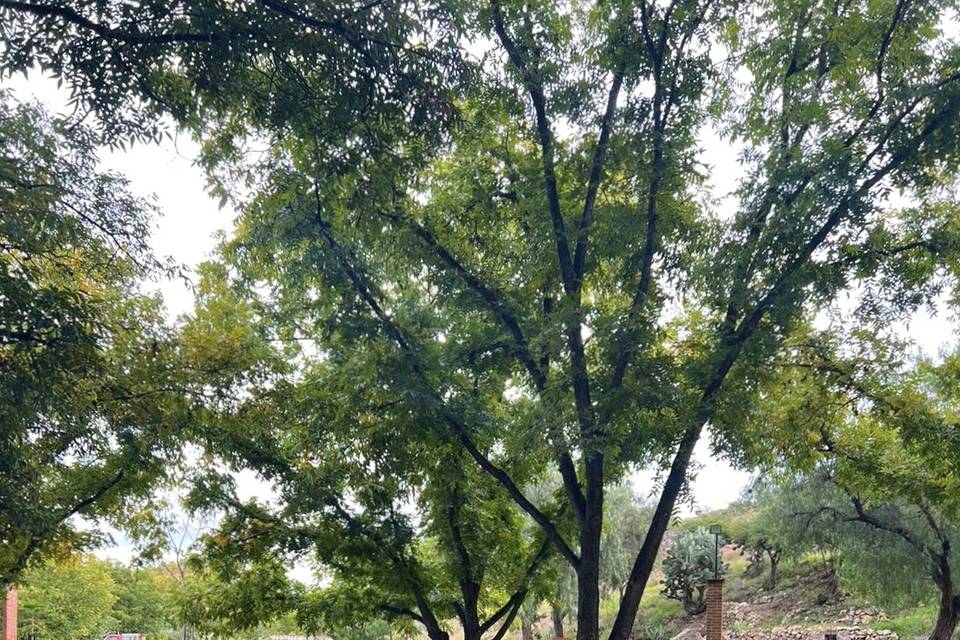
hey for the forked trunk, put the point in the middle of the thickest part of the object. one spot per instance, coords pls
(774, 565)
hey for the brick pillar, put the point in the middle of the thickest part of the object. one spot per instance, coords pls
(10, 606)
(715, 609)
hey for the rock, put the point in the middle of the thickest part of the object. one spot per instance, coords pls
(688, 634)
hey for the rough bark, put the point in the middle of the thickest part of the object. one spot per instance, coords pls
(947, 616)
(588, 573)
(949, 611)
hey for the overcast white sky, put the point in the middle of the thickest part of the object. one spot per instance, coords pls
(191, 218)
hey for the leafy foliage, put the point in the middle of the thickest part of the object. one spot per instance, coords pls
(881, 478)
(203, 62)
(624, 529)
(89, 391)
(70, 599)
(524, 270)
(144, 599)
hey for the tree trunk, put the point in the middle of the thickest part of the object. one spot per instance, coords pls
(588, 573)
(947, 616)
(774, 563)
(428, 620)
(470, 614)
(643, 564)
(556, 615)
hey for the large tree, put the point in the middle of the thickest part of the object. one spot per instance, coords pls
(548, 281)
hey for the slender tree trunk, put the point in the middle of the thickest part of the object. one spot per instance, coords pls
(755, 567)
(643, 564)
(588, 573)
(774, 563)
(948, 614)
(556, 615)
(428, 620)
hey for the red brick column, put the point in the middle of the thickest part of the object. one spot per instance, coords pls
(10, 614)
(715, 609)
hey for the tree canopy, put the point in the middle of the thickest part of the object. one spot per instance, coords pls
(482, 231)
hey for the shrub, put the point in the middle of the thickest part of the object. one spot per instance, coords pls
(687, 567)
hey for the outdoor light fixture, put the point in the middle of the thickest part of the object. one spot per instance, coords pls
(716, 530)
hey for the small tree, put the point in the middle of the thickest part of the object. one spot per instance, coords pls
(770, 532)
(73, 598)
(687, 567)
(883, 475)
(143, 600)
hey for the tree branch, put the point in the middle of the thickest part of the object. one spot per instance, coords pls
(596, 173)
(534, 88)
(509, 319)
(578, 365)
(518, 596)
(71, 16)
(507, 482)
(897, 530)
(449, 418)
(571, 483)
(453, 507)
(494, 301)
(38, 538)
(663, 101)
(400, 611)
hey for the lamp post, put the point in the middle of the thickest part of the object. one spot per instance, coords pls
(716, 530)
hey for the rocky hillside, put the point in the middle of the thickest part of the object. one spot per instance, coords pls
(807, 605)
